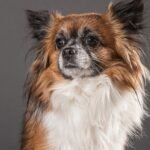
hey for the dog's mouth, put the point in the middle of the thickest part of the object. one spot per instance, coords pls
(73, 70)
(78, 65)
(70, 65)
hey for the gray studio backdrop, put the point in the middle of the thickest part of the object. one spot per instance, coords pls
(14, 44)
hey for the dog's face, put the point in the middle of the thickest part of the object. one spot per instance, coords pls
(79, 41)
(90, 44)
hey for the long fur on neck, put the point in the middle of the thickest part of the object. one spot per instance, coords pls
(94, 115)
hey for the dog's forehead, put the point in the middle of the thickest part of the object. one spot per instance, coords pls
(77, 22)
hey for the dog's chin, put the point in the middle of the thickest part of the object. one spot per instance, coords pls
(76, 72)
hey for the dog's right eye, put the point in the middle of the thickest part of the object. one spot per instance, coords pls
(92, 41)
(60, 42)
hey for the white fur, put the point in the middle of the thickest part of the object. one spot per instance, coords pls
(92, 114)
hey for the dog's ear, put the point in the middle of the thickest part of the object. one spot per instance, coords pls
(38, 22)
(130, 14)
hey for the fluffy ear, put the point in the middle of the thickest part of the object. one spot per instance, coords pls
(130, 14)
(38, 21)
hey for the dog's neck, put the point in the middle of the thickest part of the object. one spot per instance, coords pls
(92, 114)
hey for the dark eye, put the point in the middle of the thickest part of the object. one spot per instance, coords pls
(60, 42)
(92, 41)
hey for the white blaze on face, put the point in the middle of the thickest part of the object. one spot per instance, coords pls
(82, 60)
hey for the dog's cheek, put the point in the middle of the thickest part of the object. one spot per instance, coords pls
(54, 57)
(105, 56)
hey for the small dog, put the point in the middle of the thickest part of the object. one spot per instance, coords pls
(85, 87)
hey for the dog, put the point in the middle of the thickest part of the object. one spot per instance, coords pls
(85, 87)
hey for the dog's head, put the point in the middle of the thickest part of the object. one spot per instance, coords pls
(90, 44)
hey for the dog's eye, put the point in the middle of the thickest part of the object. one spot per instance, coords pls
(60, 42)
(92, 41)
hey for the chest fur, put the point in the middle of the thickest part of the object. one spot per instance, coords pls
(91, 114)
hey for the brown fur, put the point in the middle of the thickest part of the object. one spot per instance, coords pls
(119, 57)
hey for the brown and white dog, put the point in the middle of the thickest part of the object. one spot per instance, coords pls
(85, 87)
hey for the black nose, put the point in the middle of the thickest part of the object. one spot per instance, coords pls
(69, 53)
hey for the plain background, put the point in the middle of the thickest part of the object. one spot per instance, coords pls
(14, 44)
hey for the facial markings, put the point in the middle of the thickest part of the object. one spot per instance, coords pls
(85, 41)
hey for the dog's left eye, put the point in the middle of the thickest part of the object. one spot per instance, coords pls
(92, 41)
(60, 42)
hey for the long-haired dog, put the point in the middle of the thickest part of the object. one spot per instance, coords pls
(85, 87)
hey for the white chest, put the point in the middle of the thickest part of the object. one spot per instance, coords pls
(91, 114)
